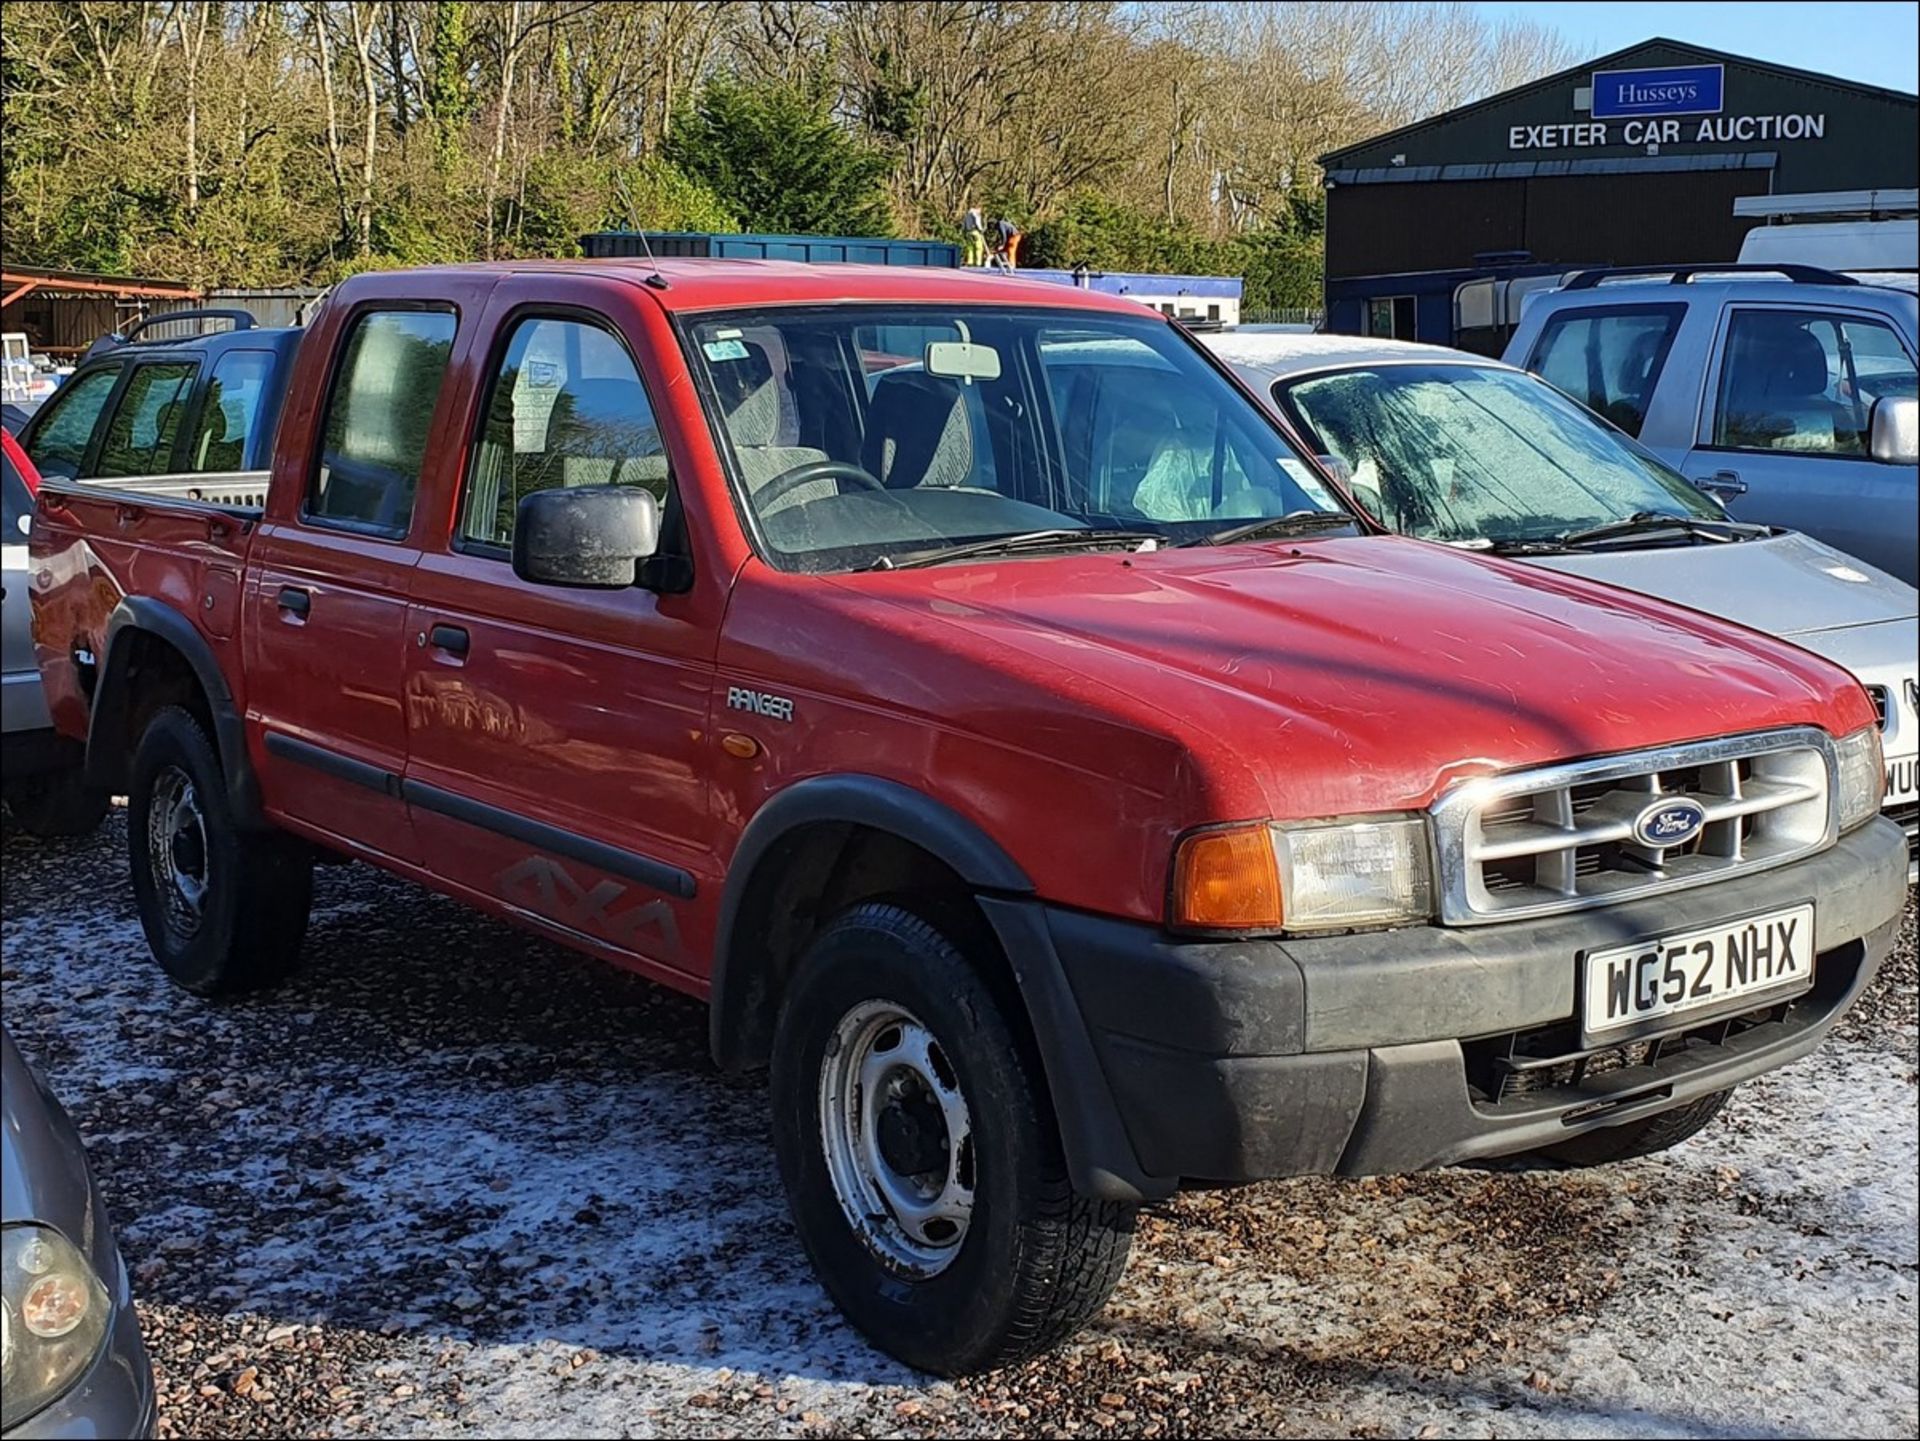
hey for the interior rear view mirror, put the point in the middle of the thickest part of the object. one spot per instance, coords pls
(1894, 430)
(588, 535)
(962, 360)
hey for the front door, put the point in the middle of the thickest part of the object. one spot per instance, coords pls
(1785, 437)
(327, 637)
(557, 736)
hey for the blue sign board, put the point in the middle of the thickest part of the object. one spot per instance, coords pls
(1677, 90)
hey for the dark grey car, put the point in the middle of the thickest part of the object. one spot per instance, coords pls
(74, 1364)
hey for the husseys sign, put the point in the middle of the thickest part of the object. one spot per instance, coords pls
(1675, 105)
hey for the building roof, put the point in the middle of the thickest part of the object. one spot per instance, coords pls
(1697, 53)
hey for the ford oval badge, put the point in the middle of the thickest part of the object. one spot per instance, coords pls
(1668, 822)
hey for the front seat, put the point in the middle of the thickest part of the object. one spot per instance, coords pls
(918, 432)
(1791, 410)
(761, 424)
(602, 433)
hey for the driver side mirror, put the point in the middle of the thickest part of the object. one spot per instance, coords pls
(1894, 430)
(589, 536)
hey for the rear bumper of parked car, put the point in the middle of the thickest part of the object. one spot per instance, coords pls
(1391, 1051)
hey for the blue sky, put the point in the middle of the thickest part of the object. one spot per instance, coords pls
(1878, 44)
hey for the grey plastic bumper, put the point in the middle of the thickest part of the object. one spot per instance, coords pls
(1237, 1061)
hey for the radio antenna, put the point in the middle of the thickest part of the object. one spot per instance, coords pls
(656, 279)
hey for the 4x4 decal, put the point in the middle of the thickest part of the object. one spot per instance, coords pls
(542, 884)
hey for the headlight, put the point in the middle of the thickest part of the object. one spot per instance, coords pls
(1315, 877)
(1862, 777)
(53, 1319)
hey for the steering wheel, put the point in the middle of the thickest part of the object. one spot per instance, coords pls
(788, 481)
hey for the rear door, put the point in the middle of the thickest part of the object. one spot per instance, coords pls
(144, 426)
(559, 749)
(1784, 438)
(327, 637)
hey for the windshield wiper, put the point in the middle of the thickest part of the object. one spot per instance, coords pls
(1647, 521)
(1294, 522)
(1031, 540)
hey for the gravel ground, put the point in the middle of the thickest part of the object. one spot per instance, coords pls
(455, 1181)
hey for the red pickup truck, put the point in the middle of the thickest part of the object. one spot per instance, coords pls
(1035, 762)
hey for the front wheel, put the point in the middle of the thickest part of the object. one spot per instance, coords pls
(921, 1158)
(224, 910)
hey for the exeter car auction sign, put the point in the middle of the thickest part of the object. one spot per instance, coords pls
(1657, 107)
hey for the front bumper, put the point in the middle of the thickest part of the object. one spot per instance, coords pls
(1390, 1051)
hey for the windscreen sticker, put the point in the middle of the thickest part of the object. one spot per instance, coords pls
(725, 349)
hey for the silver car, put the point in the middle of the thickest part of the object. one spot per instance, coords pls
(1452, 447)
(71, 1360)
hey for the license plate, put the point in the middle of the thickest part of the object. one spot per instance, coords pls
(1699, 970)
(1903, 779)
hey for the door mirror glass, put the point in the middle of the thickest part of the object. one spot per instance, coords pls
(590, 535)
(1896, 430)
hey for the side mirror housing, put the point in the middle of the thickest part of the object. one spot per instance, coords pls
(1894, 430)
(592, 536)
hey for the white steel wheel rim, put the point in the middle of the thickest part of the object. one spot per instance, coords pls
(898, 1138)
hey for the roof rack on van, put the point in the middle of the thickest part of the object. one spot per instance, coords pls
(1685, 274)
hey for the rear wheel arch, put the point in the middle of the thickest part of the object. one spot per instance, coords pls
(812, 850)
(155, 658)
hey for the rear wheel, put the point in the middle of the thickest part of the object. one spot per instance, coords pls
(224, 910)
(921, 1158)
(56, 805)
(1638, 1138)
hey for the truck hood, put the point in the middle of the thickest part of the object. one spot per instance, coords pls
(1786, 585)
(1364, 674)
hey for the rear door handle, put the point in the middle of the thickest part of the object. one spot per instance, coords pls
(1722, 482)
(449, 638)
(295, 601)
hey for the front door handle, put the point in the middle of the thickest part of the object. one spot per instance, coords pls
(295, 601)
(449, 638)
(1722, 483)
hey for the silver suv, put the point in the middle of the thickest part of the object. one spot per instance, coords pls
(1786, 391)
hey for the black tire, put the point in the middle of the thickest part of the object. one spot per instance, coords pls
(257, 887)
(1036, 1261)
(57, 805)
(1637, 1138)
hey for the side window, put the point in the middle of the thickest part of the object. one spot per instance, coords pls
(60, 440)
(1608, 360)
(566, 409)
(378, 415)
(141, 434)
(1801, 381)
(234, 394)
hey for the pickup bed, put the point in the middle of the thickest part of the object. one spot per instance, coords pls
(1034, 761)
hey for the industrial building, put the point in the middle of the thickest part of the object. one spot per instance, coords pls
(1636, 158)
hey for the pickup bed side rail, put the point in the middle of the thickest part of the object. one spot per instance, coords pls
(226, 489)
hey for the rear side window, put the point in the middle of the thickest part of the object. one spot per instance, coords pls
(147, 421)
(234, 394)
(1608, 360)
(1805, 382)
(378, 416)
(566, 409)
(60, 440)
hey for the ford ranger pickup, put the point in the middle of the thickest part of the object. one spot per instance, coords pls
(1035, 762)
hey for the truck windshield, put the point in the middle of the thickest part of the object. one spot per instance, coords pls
(858, 435)
(1468, 452)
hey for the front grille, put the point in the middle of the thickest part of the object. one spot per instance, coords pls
(1527, 1066)
(1881, 704)
(1562, 838)
(1907, 816)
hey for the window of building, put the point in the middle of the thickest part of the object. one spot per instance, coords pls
(566, 409)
